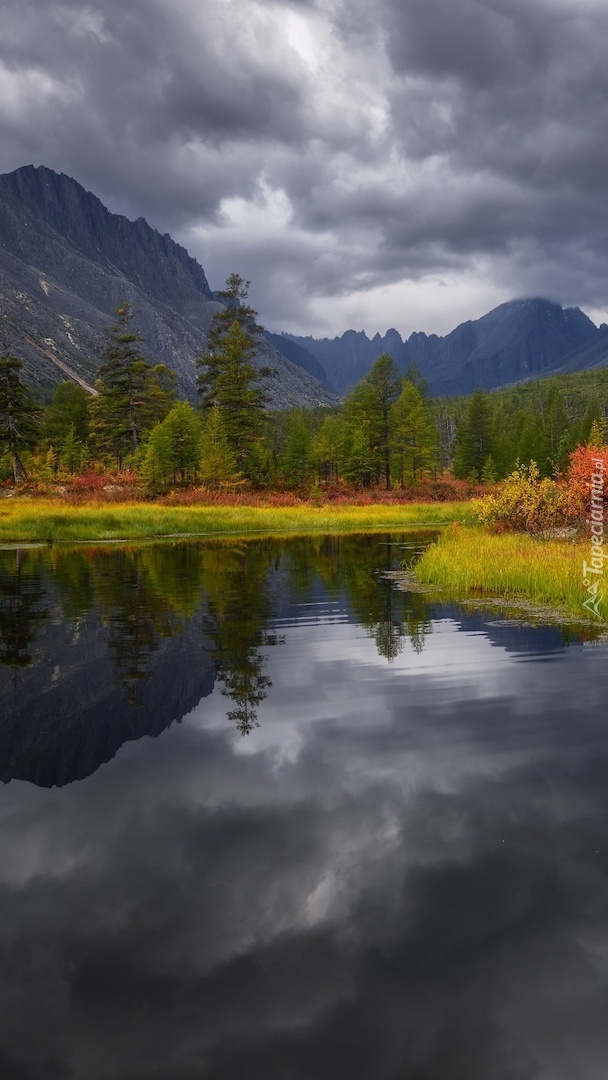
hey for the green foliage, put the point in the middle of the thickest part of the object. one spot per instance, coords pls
(131, 397)
(474, 438)
(328, 448)
(228, 377)
(526, 501)
(19, 427)
(413, 436)
(383, 384)
(297, 456)
(67, 415)
(72, 452)
(218, 460)
(173, 451)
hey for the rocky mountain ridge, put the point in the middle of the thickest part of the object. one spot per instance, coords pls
(519, 340)
(67, 262)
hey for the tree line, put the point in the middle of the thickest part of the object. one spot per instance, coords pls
(386, 432)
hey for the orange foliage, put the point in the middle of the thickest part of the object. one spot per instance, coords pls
(576, 483)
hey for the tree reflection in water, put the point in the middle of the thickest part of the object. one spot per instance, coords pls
(148, 593)
(23, 606)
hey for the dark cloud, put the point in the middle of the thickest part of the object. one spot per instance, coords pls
(410, 143)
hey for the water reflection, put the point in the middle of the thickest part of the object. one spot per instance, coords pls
(115, 643)
(400, 874)
(22, 607)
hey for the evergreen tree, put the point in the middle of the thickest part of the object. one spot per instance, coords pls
(131, 397)
(234, 298)
(555, 427)
(414, 438)
(173, 451)
(328, 448)
(296, 459)
(230, 381)
(228, 377)
(71, 452)
(218, 461)
(360, 462)
(384, 384)
(19, 428)
(474, 438)
(67, 415)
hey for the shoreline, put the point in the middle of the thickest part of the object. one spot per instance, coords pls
(50, 521)
(478, 567)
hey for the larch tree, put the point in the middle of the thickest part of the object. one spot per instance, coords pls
(384, 383)
(474, 438)
(131, 397)
(228, 378)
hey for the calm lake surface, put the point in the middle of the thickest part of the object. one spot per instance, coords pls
(265, 817)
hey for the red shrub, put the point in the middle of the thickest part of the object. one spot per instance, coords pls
(576, 483)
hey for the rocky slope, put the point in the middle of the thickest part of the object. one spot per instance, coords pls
(521, 339)
(66, 262)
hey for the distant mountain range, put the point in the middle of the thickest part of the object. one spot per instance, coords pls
(66, 263)
(520, 340)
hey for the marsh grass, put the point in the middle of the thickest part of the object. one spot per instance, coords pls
(471, 561)
(49, 520)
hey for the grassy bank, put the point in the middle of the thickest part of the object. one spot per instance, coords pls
(50, 520)
(469, 560)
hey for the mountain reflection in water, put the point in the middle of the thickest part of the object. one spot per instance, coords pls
(375, 844)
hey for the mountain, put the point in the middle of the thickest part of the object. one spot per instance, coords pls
(298, 355)
(66, 263)
(521, 339)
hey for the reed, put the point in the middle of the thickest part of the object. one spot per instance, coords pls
(49, 520)
(469, 560)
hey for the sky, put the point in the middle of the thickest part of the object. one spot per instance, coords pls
(366, 165)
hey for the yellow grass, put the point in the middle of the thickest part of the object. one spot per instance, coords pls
(469, 560)
(51, 520)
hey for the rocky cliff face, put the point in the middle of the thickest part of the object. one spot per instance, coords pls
(66, 263)
(521, 339)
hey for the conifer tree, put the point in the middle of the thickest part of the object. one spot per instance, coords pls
(228, 377)
(296, 459)
(131, 397)
(474, 438)
(414, 437)
(19, 429)
(173, 450)
(218, 461)
(384, 385)
(328, 448)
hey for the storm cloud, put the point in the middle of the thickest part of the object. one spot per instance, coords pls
(409, 164)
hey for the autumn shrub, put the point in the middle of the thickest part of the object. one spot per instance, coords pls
(101, 487)
(576, 483)
(524, 501)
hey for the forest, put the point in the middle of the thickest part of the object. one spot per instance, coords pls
(386, 434)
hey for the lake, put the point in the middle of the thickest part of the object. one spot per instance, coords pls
(267, 817)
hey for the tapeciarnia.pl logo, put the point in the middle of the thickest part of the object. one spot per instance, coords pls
(593, 572)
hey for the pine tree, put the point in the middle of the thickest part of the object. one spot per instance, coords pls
(173, 451)
(230, 382)
(131, 397)
(328, 448)
(474, 438)
(218, 461)
(414, 438)
(228, 377)
(19, 428)
(296, 459)
(384, 384)
(68, 411)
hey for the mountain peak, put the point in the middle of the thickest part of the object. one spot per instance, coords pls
(66, 262)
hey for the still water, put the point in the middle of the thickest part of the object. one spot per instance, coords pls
(265, 817)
